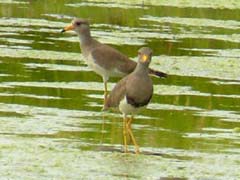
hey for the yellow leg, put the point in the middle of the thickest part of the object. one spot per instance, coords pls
(129, 122)
(129, 129)
(105, 91)
(125, 134)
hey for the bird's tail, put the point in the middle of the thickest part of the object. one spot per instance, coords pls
(157, 73)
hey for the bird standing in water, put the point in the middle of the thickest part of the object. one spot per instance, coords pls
(132, 93)
(103, 59)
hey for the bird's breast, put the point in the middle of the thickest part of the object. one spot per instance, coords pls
(128, 109)
(92, 63)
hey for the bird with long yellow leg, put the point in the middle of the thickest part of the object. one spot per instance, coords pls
(131, 94)
(101, 58)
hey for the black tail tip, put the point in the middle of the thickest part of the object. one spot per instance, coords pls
(161, 74)
(158, 73)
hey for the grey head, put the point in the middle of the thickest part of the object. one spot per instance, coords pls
(145, 56)
(80, 26)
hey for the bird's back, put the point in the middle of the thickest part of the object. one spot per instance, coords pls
(110, 58)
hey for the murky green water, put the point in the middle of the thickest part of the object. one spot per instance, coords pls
(51, 124)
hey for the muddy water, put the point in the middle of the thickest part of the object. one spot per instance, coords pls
(51, 123)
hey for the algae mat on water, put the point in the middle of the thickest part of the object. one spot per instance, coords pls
(51, 123)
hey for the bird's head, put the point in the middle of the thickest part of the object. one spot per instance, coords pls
(145, 55)
(80, 26)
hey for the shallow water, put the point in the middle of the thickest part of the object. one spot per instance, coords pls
(51, 123)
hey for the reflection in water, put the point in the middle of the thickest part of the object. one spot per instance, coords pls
(51, 123)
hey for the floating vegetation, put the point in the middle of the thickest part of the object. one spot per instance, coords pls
(212, 67)
(228, 24)
(50, 101)
(13, 2)
(230, 116)
(40, 54)
(107, 5)
(220, 4)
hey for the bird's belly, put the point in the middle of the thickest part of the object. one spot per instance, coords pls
(98, 69)
(94, 66)
(114, 72)
(128, 109)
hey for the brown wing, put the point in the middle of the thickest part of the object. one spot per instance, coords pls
(109, 58)
(117, 94)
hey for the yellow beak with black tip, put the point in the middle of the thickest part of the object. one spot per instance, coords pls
(68, 28)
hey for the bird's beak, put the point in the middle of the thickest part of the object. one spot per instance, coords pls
(144, 58)
(68, 28)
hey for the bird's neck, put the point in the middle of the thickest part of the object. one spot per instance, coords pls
(141, 69)
(86, 42)
(85, 38)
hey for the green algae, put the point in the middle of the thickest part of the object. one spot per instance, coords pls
(212, 67)
(218, 4)
(39, 54)
(12, 2)
(228, 24)
(51, 123)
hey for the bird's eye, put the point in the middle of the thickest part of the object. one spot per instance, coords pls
(78, 23)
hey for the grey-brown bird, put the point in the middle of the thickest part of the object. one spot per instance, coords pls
(103, 59)
(132, 93)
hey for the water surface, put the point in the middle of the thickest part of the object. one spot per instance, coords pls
(51, 123)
